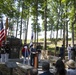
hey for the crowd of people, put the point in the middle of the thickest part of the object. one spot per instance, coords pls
(70, 50)
(31, 51)
(61, 67)
(65, 68)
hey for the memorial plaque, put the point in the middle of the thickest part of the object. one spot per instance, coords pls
(15, 45)
(11, 64)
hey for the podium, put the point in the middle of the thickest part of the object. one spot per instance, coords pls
(36, 60)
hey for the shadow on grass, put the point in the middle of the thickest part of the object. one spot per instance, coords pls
(51, 48)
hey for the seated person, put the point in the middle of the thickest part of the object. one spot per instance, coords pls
(33, 71)
(46, 68)
(60, 67)
(71, 67)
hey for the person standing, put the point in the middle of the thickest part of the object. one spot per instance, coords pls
(39, 51)
(32, 55)
(69, 51)
(62, 52)
(73, 53)
(7, 52)
(3, 53)
(25, 53)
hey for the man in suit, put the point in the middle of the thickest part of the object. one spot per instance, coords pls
(62, 50)
(7, 51)
(45, 68)
(32, 56)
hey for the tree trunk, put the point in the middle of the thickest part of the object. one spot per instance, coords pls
(37, 18)
(56, 34)
(64, 33)
(66, 28)
(45, 25)
(21, 21)
(75, 10)
(17, 28)
(35, 38)
(72, 34)
(35, 29)
(56, 37)
(26, 32)
(73, 23)
(18, 8)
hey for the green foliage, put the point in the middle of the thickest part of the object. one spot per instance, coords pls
(56, 12)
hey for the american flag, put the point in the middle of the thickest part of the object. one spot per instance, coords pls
(2, 33)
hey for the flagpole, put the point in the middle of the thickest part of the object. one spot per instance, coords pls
(6, 27)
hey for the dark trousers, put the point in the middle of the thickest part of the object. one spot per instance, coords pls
(32, 59)
(61, 55)
(73, 55)
(1, 73)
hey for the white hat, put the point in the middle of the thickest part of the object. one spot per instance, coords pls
(71, 63)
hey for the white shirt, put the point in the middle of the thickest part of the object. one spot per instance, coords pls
(69, 48)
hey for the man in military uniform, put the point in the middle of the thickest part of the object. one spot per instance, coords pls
(7, 51)
(3, 53)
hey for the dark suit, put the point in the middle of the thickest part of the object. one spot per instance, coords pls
(62, 52)
(47, 73)
(1, 73)
(33, 52)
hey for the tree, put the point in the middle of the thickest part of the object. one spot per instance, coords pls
(45, 24)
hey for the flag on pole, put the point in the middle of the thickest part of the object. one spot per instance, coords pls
(2, 33)
(31, 41)
(32, 36)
